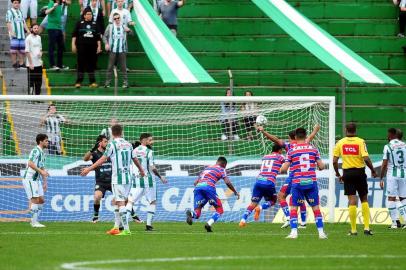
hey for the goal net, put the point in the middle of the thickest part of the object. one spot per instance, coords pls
(189, 133)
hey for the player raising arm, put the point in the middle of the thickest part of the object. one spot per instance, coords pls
(103, 173)
(32, 179)
(205, 192)
(120, 153)
(265, 184)
(303, 158)
(394, 166)
(286, 188)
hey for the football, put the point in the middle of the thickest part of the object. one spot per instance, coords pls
(261, 120)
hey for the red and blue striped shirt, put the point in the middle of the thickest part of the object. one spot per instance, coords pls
(303, 162)
(271, 165)
(211, 175)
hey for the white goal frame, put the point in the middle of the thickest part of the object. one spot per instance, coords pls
(330, 100)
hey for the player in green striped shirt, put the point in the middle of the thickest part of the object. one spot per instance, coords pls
(32, 183)
(394, 166)
(17, 28)
(120, 153)
(145, 185)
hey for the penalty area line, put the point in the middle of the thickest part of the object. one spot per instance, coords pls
(91, 265)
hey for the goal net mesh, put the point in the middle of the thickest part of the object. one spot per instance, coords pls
(187, 137)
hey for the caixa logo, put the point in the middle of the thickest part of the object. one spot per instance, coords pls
(78, 203)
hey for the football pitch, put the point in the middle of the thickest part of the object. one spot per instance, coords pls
(85, 246)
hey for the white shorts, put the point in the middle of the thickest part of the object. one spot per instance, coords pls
(29, 5)
(33, 189)
(137, 193)
(120, 192)
(395, 186)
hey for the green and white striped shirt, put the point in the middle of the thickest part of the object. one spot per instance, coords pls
(117, 38)
(146, 158)
(120, 153)
(38, 157)
(395, 153)
(113, 4)
(16, 18)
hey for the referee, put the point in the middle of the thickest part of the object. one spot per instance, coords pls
(354, 154)
(103, 173)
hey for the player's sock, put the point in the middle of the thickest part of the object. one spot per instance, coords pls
(293, 219)
(117, 219)
(123, 217)
(196, 214)
(352, 212)
(150, 214)
(393, 211)
(266, 205)
(40, 207)
(248, 212)
(319, 220)
(213, 219)
(402, 209)
(365, 215)
(303, 213)
(34, 213)
(96, 208)
(285, 208)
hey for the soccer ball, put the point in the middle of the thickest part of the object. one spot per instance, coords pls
(261, 120)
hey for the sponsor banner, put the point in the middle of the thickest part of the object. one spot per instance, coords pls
(70, 198)
(379, 216)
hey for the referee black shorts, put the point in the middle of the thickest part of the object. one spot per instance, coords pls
(103, 187)
(355, 180)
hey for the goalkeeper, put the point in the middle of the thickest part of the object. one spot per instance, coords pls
(103, 173)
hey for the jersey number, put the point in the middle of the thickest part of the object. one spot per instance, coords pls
(304, 162)
(401, 157)
(125, 158)
(267, 165)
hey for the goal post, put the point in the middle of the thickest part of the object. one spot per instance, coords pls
(189, 134)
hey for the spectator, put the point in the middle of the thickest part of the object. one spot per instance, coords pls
(124, 14)
(107, 131)
(402, 16)
(16, 26)
(168, 10)
(33, 50)
(99, 4)
(52, 122)
(112, 4)
(115, 39)
(249, 110)
(228, 119)
(86, 42)
(32, 6)
(64, 18)
(98, 14)
(55, 34)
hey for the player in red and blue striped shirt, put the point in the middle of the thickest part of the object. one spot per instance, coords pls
(265, 185)
(205, 192)
(286, 188)
(303, 159)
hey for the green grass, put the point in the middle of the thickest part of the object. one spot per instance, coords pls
(258, 246)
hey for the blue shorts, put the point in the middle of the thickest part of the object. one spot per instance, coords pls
(300, 194)
(205, 195)
(287, 186)
(263, 190)
(17, 45)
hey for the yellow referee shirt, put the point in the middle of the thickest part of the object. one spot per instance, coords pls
(352, 151)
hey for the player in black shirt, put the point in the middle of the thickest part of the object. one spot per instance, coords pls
(103, 173)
